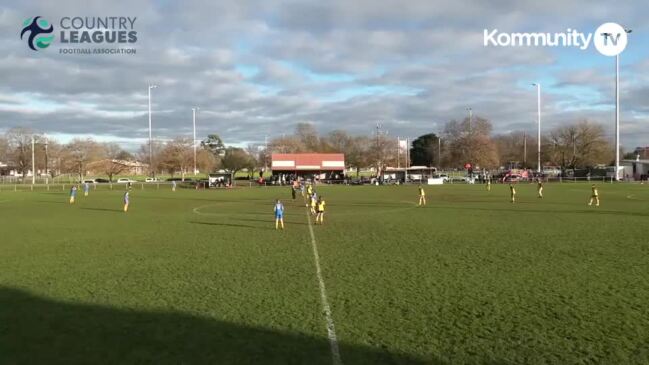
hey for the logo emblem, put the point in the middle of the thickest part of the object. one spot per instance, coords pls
(610, 39)
(37, 26)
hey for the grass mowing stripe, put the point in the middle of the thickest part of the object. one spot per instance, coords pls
(331, 330)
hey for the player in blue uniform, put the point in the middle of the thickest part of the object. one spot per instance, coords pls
(126, 201)
(73, 193)
(279, 214)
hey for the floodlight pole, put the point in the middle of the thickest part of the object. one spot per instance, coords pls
(194, 140)
(538, 135)
(151, 134)
(33, 163)
(617, 113)
(47, 179)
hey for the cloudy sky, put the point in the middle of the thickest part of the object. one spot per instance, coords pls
(256, 69)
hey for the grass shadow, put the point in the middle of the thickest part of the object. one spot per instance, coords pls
(39, 330)
(271, 220)
(231, 225)
(590, 210)
(104, 209)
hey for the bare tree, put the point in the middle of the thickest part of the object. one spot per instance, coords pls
(177, 156)
(470, 142)
(19, 145)
(578, 145)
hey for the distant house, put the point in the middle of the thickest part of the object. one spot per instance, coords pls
(122, 167)
(320, 165)
(635, 169)
(4, 169)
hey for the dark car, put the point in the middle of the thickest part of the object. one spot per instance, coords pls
(102, 181)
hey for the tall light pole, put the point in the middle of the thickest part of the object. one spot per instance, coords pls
(470, 110)
(33, 163)
(47, 174)
(538, 134)
(194, 140)
(617, 113)
(151, 134)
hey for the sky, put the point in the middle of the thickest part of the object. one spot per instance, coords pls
(257, 68)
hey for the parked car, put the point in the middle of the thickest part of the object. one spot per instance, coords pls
(102, 181)
(125, 180)
(89, 181)
(151, 179)
(512, 178)
(444, 177)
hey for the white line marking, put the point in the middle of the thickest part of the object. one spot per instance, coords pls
(331, 330)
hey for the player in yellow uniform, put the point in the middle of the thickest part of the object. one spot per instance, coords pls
(422, 196)
(309, 194)
(488, 184)
(512, 191)
(539, 188)
(594, 196)
(320, 209)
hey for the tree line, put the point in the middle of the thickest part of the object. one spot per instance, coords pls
(575, 145)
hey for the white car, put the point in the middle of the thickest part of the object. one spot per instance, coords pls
(151, 179)
(124, 180)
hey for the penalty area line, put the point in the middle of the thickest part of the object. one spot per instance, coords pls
(331, 330)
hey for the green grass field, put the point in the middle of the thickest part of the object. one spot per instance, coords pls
(202, 277)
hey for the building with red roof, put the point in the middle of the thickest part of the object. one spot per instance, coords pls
(322, 165)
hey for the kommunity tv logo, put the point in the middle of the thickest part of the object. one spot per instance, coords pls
(40, 33)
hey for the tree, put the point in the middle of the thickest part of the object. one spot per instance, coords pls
(4, 149)
(308, 135)
(511, 149)
(79, 153)
(206, 161)
(19, 145)
(286, 144)
(178, 156)
(424, 151)
(578, 145)
(113, 162)
(154, 161)
(214, 144)
(236, 159)
(469, 141)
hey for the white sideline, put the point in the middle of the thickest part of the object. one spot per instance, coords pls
(331, 330)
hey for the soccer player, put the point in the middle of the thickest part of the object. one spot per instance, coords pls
(594, 196)
(86, 188)
(539, 188)
(73, 193)
(512, 191)
(320, 209)
(279, 214)
(422, 196)
(126, 201)
(309, 190)
(488, 184)
(313, 202)
(173, 185)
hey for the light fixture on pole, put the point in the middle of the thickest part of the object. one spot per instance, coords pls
(151, 134)
(194, 140)
(538, 134)
(617, 113)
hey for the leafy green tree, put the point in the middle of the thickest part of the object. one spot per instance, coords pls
(424, 151)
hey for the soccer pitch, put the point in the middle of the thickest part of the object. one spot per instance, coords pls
(195, 277)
